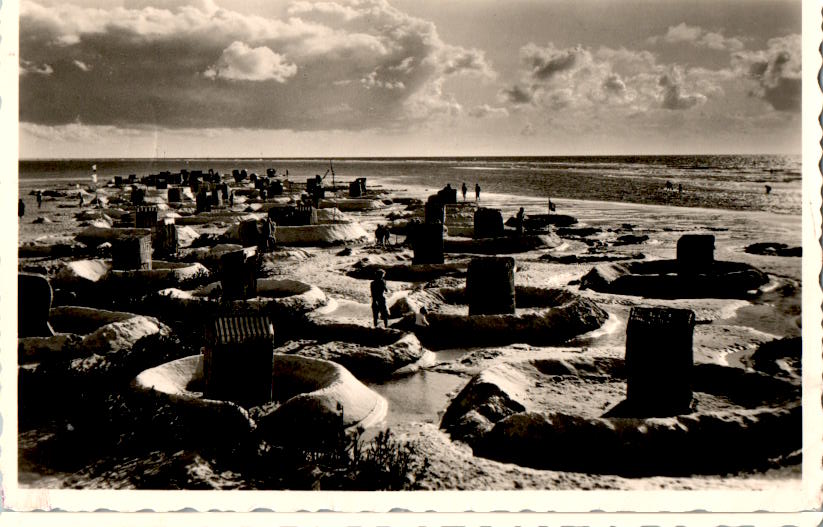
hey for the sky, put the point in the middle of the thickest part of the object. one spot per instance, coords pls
(349, 78)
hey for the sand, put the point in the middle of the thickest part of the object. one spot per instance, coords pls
(729, 330)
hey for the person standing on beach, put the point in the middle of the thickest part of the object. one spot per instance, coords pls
(464, 189)
(521, 217)
(21, 208)
(82, 200)
(378, 298)
(39, 199)
(477, 192)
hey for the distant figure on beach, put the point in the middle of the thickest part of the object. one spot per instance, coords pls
(378, 298)
(21, 208)
(39, 199)
(465, 189)
(231, 199)
(420, 318)
(521, 217)
(669, 185)
(82, 200)
(381, 235)
(268, 239)
(768, 189)
(477, 192)
(378, 235)
(680, 188)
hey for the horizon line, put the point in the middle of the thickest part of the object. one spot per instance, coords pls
(398, 157)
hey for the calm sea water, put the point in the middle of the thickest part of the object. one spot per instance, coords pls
(726, 182)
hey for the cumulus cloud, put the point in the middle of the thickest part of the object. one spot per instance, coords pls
(581, 79)
(242, 63)
(460, 60)
(373, 81)
(673, 97)
(614, 84)
(432, 102)
(775, 72)
(546, 62)
(486, 111)
(697, 36)
(38, 69)
(194, 63)
(81, 65)
(516, 95)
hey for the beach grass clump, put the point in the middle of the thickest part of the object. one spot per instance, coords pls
(342, 461)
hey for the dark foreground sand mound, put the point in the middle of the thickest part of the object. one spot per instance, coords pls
(552, 414)
(660, 279)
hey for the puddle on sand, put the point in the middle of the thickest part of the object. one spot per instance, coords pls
(420, 397)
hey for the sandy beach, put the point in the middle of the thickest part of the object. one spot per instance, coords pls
(729, 330)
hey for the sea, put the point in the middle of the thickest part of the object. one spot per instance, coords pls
(735, 182)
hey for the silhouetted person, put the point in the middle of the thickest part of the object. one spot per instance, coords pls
(378, 235)
(231, 199)
(82, 200)
(680, 188)
(521, 217)
(669, 185)
(420, 318)
(768, 189)
(378, 298)
(477, 192)
(39, 199)
(464, 189)
(21, 208)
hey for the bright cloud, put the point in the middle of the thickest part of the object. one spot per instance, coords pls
(82, 65)
(775, 72)
(196, 64)
(30, 67)
(697, 36)
(673, 97)
(577, 78)
(242, 63)
(486, 111)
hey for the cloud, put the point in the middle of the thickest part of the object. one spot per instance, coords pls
(484, 111)
(372, 81)
(697, 36)
(460, 60)
(197, 64)
(239, 62)
(545, 63)
(38, 69)
(673, 97)
(614, 84)
(82, 65)
(516, 95)
(580, 80)
(775, 72)
(431, 103)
